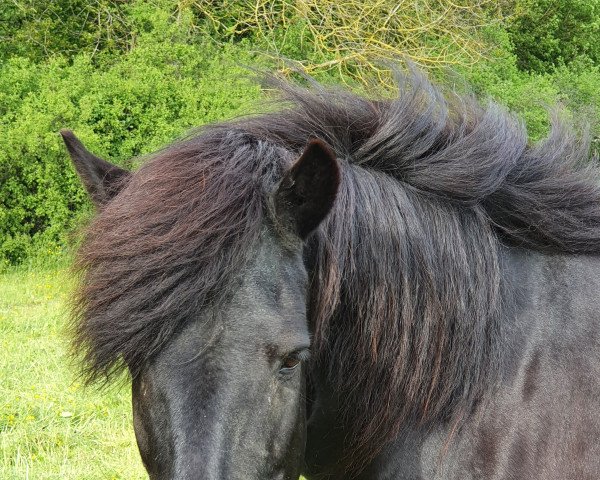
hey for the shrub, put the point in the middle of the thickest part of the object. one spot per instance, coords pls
(131, 107)
(37, 29)
(352, 37)
(131, 76)
(548, 33)
(575, 89)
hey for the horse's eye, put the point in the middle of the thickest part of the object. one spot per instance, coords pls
(288, 364)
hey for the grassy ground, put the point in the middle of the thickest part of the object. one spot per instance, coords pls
(50, 426)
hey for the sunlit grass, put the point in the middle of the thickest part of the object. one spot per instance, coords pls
(50, 426)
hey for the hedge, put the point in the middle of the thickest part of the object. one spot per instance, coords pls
(142, 73)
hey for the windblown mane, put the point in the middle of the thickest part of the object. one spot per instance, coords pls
(407, 294)
(406, 297)
(169, 245)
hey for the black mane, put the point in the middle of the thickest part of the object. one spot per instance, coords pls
(407, 293)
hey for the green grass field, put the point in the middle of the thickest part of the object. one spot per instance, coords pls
(51, 427)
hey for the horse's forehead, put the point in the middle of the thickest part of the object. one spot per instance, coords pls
(275, 259)
(275, 277)
(265, 313)
(271, 295)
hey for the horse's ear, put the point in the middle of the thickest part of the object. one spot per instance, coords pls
(102, 179)
(308, 189)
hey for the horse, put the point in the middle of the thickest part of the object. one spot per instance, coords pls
(347, 287)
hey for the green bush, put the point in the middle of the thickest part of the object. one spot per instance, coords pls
(549, 33)
(131, 107)
(575, 89)
(39, 28)
(129, 77)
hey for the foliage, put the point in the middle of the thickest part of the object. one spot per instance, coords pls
(39, 28)
(130, 108)
(572, 91)
(355, 37)
(552, 33)
(130, 76)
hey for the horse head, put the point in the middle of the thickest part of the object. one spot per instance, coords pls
(193, 280)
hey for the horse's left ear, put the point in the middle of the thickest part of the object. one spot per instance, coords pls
(308, 189)
(102, 179)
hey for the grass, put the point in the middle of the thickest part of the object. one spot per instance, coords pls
(50, 425)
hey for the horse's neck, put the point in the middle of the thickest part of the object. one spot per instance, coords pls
(550, 322)
(551, 304)
(541, 421)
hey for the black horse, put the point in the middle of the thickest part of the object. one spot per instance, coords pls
(350, 288)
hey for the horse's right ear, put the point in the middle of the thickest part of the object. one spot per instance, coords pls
(102, 179)
(307, 190)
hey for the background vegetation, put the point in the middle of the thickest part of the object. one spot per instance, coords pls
(132, 75)
(51, 427)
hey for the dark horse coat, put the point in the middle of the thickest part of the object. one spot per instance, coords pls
(448, 295)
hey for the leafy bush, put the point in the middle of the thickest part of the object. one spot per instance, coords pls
(130, 108)
(574, 89)
(352, 37)
(131, 76)
(548, 33)
(39, 28)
